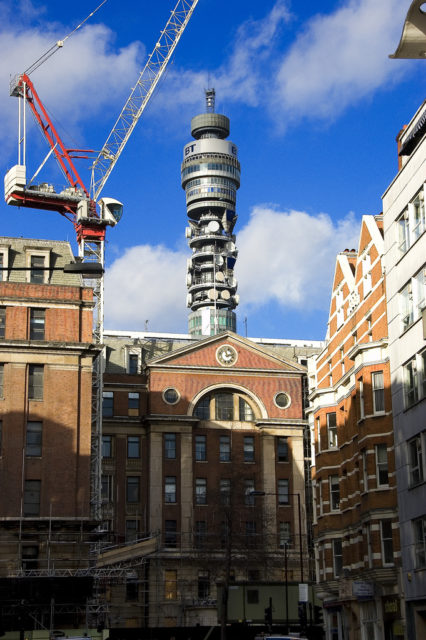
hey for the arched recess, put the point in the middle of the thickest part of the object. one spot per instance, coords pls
(247, 395)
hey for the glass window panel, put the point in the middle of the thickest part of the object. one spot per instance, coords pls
(224, 406)
(37, 319)
(35, 381)
(132, 488)
(201, 491)
(34, 439)
(283, 491)
(248, 449)
(170, 446)
(170, 489)
(133, 447)
(378, 391)
(200, 448)
(107, 404)
(225, 449)
(282, 449)
(382, 464)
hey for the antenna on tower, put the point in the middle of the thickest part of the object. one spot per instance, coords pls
(210, 100)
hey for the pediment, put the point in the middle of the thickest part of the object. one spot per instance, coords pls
(204, 354)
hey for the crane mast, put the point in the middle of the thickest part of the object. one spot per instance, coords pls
(140, 95)
(77, 203)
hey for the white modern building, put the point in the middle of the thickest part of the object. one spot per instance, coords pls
(405, 264)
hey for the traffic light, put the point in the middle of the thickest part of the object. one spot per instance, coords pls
(318, 617)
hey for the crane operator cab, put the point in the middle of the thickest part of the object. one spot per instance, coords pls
(111, 210)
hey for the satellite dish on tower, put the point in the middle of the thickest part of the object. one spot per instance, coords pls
(219, 276)
(219, 260)
(225, 294)
(212, 294)
(213, 226)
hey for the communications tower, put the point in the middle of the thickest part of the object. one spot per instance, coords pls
(211, 177)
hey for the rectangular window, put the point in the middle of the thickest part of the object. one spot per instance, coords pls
(37, 320)
(332, 430)
(411, 393)
(107, 446)
(133, 404)
(337, 558)
(282, 448)
(318, 421)
(133, 447)
(2, 322)
(224, 406)
(248, 449)
(364, 469)
(200, 533)
(382, 465)
(34, 439)
(132, 589)
(107, 404)
(387, 541)
(133, 364)
(415, 460)
(1, 380)
(170, 446)
(248, 492)
(32, 489)
(106, 488)
(37, 264)
(251, 533)
(132, 530)
(170, 534)
(334, 487)
(245, 410)
(35, 381)
(418, 207)
(407, 307)
(200, 448)
(366, 273)
(378, 391)
(285, 534)
(419, 526)
(200, 491)
(132, 489)
(403, 232)
(361, 399)
(170, 584)
(203, 585)
(282, 491)
(170, 489)
(202, 410)
(225, 449)
(225, 492)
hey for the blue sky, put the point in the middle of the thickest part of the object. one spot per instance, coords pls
(315, 105)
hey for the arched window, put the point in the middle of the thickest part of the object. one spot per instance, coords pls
(225, 404)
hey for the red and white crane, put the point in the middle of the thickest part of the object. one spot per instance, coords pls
(89, 214)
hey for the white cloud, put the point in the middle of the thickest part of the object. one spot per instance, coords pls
(288, 257)
(284, 257)
(84, 78)
(338, 59)
(147, 283)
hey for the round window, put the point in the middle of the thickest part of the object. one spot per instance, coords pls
(282, 400)
(170, 396)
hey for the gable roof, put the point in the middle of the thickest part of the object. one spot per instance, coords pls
(202, 354)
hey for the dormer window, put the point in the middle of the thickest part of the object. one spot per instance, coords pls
(38, 263)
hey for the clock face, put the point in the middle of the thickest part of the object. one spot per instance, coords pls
(226, 355)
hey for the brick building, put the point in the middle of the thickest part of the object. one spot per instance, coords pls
(46, 356)
(357, 546)
(190, 428)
